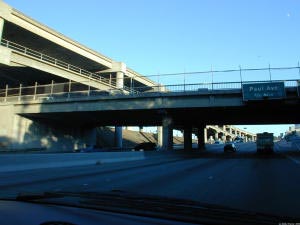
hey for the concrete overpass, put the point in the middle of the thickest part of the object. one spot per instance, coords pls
(32, 52)
(191, 111)
(226, 133)
(56, 91)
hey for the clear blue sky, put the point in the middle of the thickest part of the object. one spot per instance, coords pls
(169, 36)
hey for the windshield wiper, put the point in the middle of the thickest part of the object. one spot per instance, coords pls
(153, 206)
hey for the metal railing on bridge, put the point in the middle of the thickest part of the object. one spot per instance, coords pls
(200, 82)
(111, 82)
(77, 90)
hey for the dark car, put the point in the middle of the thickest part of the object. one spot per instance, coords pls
(229, 147)
(146, 146)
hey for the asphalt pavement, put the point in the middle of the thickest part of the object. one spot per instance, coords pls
(242, 180)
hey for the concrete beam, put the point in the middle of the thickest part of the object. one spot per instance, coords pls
(18, 18)
(167, 125)
(19, 59)
(161, 101)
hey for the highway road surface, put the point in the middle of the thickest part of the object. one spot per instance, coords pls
(242, 180)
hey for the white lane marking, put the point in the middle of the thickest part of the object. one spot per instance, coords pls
(297, 145)
(292, 159)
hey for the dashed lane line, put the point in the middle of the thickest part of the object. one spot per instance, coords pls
(292, 159)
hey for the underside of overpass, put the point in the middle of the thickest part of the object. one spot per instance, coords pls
(266, 112)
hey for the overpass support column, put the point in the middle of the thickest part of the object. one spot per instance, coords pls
(216, 136)
(167, 134)
(118, 137)
(120, 80)
(202, 137)
(121, 70)
(160, 136)
(187, 138)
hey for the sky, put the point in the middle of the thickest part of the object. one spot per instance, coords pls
(175, 36)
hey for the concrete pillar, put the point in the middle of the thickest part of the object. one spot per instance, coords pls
(211, 139)
(167, 134)
(90, 137)
(223, 138)
(216, 136)
(187, 138)
(1, 27)
(120, 80)
(202, 137)
(118, 137)
(160, 136)
(121, 69)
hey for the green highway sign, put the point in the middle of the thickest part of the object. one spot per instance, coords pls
(263, 91)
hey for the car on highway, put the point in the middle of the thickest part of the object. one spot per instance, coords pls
(229, 147)
(146, 146)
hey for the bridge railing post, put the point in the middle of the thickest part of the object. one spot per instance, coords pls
(270, 72)
(89, 86)
(184, 81)
(6, 93)
(51, 88)
(241, 78)
(20, 92)
(69, 90)
(212, 79)
(35, 89)
(130, 85)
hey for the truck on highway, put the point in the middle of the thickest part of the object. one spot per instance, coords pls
(265, 142)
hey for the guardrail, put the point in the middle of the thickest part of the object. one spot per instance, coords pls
(111, 82)
(76, 90)
(173, 82)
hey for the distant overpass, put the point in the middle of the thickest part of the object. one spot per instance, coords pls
(227, 133)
